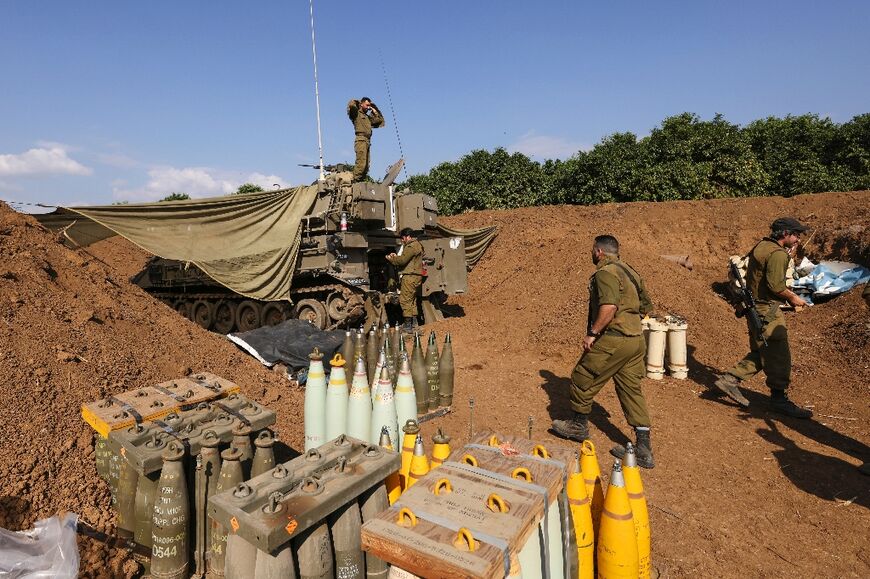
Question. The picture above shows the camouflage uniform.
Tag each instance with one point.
(362, 126)
(620, 350)
(411, 262)
(765, 278)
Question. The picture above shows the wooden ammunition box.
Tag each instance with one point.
(430, 530)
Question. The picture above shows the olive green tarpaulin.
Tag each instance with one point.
(248, 243)
(476, 241)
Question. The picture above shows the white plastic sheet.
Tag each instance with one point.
(49, 550)
(830, 278)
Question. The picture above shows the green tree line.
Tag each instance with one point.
(683, 158)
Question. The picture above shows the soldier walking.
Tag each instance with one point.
(410, 259)
(613, 348)
(365, 116)
(765, 278)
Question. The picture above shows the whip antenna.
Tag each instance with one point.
(317, 91)
(393, 110)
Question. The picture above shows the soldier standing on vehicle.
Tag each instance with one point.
(410, 259)
(365, 116)
(613, 348)
(765, 279)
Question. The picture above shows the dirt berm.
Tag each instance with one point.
(735, 494)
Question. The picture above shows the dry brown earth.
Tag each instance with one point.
(735, 493)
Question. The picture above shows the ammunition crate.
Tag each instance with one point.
(143, 444)
(423, 530)
(152, 402)
(272, 508)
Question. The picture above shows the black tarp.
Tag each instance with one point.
(289, 342)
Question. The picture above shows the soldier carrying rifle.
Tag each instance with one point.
(768, 336)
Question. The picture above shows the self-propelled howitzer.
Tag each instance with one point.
(341, 276)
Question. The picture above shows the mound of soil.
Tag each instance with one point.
(73, 330)
(735, 493)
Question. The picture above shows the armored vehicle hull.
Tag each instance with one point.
(341, 276)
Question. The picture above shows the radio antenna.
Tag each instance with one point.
(316, 92)
(393, 110)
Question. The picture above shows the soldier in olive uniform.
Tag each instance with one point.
(410, 259)
(613, 348)
(365, 116)
(765, 278)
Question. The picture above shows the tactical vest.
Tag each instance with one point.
(756, 270)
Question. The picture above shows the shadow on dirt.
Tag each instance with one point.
(11, 509)
(826, 477)
(699, 372)
(86, 530)
(558, 389)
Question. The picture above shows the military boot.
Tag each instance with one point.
(728, 384)
(409, 326)
(575, 428)
(780, 404)
(642, 450)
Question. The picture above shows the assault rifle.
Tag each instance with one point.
(747, 303)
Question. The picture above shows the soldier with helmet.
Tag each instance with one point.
(765, 278)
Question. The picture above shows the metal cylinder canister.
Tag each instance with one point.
(655, 353)
(170, 523)
(446, 372)
(677, 355)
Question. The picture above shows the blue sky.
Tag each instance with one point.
(113, 100)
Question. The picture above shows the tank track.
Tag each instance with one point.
(340, 305)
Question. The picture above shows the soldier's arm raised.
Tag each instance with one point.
(376, 118)
(352, 109)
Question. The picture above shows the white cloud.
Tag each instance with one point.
(546, 147)
(195, 181)
(40, 161)
(264, 181)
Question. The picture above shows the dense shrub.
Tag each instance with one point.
(683, 158)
